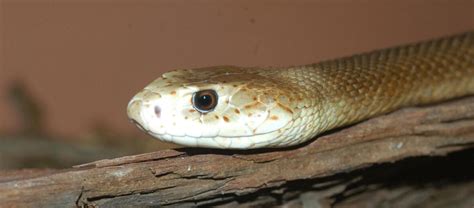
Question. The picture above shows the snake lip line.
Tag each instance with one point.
(209, 137)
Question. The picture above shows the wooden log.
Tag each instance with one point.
(191, 177)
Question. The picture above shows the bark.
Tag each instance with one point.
(354, 165)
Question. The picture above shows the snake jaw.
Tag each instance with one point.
(245, 116)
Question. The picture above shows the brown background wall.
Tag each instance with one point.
(83, 60)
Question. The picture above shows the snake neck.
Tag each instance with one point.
(344, 91)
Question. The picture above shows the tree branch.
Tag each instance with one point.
(321, 170)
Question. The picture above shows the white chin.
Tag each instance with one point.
(253, 142)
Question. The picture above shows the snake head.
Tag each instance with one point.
(218, 107)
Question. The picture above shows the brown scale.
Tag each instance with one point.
(362, 86)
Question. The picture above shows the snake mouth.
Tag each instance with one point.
(170, 117)
(138, 125)
(150, 120)
(220, 142)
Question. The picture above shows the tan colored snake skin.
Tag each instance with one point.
(244, 108)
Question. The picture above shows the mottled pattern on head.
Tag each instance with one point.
(250, 105)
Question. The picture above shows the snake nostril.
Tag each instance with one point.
(157, 111)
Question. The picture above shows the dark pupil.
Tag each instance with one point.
(205, 100)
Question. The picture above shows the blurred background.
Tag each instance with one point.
(68, 68)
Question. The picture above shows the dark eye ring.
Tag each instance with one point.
(205, 100)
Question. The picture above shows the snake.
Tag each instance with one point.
(231, 107)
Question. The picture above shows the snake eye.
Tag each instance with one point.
(205, 100)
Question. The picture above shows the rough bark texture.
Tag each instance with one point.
(349, 166)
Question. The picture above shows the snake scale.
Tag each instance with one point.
(258, 107)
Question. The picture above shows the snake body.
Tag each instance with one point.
(278, 107)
